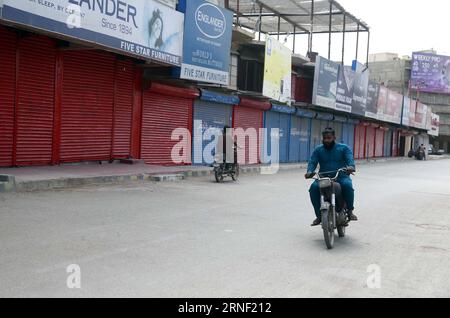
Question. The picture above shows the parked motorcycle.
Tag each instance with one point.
(223, 170)
(334, 217)
(420, 155)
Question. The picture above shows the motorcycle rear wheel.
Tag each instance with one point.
(328, 227)
(235, 175)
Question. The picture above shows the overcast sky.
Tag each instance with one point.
(397, 26)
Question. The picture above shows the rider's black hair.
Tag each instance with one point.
(328, 131)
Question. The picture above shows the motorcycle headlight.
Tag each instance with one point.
(325, 183)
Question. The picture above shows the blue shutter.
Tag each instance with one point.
(213, 115)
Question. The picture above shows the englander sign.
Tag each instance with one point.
(147, 29)
(207, 42)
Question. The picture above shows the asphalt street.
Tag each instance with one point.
(253, 238)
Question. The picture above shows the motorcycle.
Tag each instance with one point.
(334, 216)
(223, 170)
(420, 155)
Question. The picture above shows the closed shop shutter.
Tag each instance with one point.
(87, 106)
(249, 118)
(8, 43)
(294, 142)
(379, 143)
(360, 141)
(35, 95)
(348, 135)
(161, 115)
(370, 141)
(275, 120)
(388, 143)
(123, 109)
(305, 131)
(212, 116)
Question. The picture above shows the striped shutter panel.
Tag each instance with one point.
(8, 45)
(379, 143)
(305, 127)
(123, 108)
(213, 115)
(87, 106)
(35, 94)
(161, 115)
(370, 142)
(295, 136)
(248, 118)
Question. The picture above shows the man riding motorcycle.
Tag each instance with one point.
(332, 156)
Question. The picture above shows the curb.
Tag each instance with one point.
(9, 184)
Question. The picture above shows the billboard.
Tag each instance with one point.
(392, 113)
(207, 42)
(373, 91)
(277, 71)
(406, 111)
(430, 73)
(325, 83)
(360, 93)
(434, 125)
(382, 102)
(345, 87)
(145, 29)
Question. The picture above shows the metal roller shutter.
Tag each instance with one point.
(87, 106)
(370, 141)
(305, 126)
(249, 118)
(294, 142)
(123, 109)
(8, 45)
(276, 120)
(212, 115)
(388, 143)
(348, 135)
(360, 141)
(35, 95)
(161, 115)
(379, 143)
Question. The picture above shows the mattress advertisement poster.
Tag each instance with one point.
(325, 83)
(277, 71)
(145, 29)
(207, 42)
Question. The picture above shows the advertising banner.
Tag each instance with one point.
(373, 91)
(325, 83)
(430, 73)
(360, 93)
(145, 29)
(345, 87)
(421, 116)
(434, 125)
(394, 106)
(406, 111)
(169, 3)
(207, 42)
(277, 71)
(382, 102)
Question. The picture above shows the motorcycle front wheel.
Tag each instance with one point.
(328, 227)
(218, 175)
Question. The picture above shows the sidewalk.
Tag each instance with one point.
(69, 176)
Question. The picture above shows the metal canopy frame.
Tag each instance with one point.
(298, 17)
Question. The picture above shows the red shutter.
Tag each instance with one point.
(370, 142)
(123, 109)
(246, 118)
(8, 45)
(360, 141)
(379, 143)
(87, 106)
(35, 100)
(161, 115)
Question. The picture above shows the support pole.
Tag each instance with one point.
(357, 44)
(329, 29)
(343, 38)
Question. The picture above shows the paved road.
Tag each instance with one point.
(251, 239)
